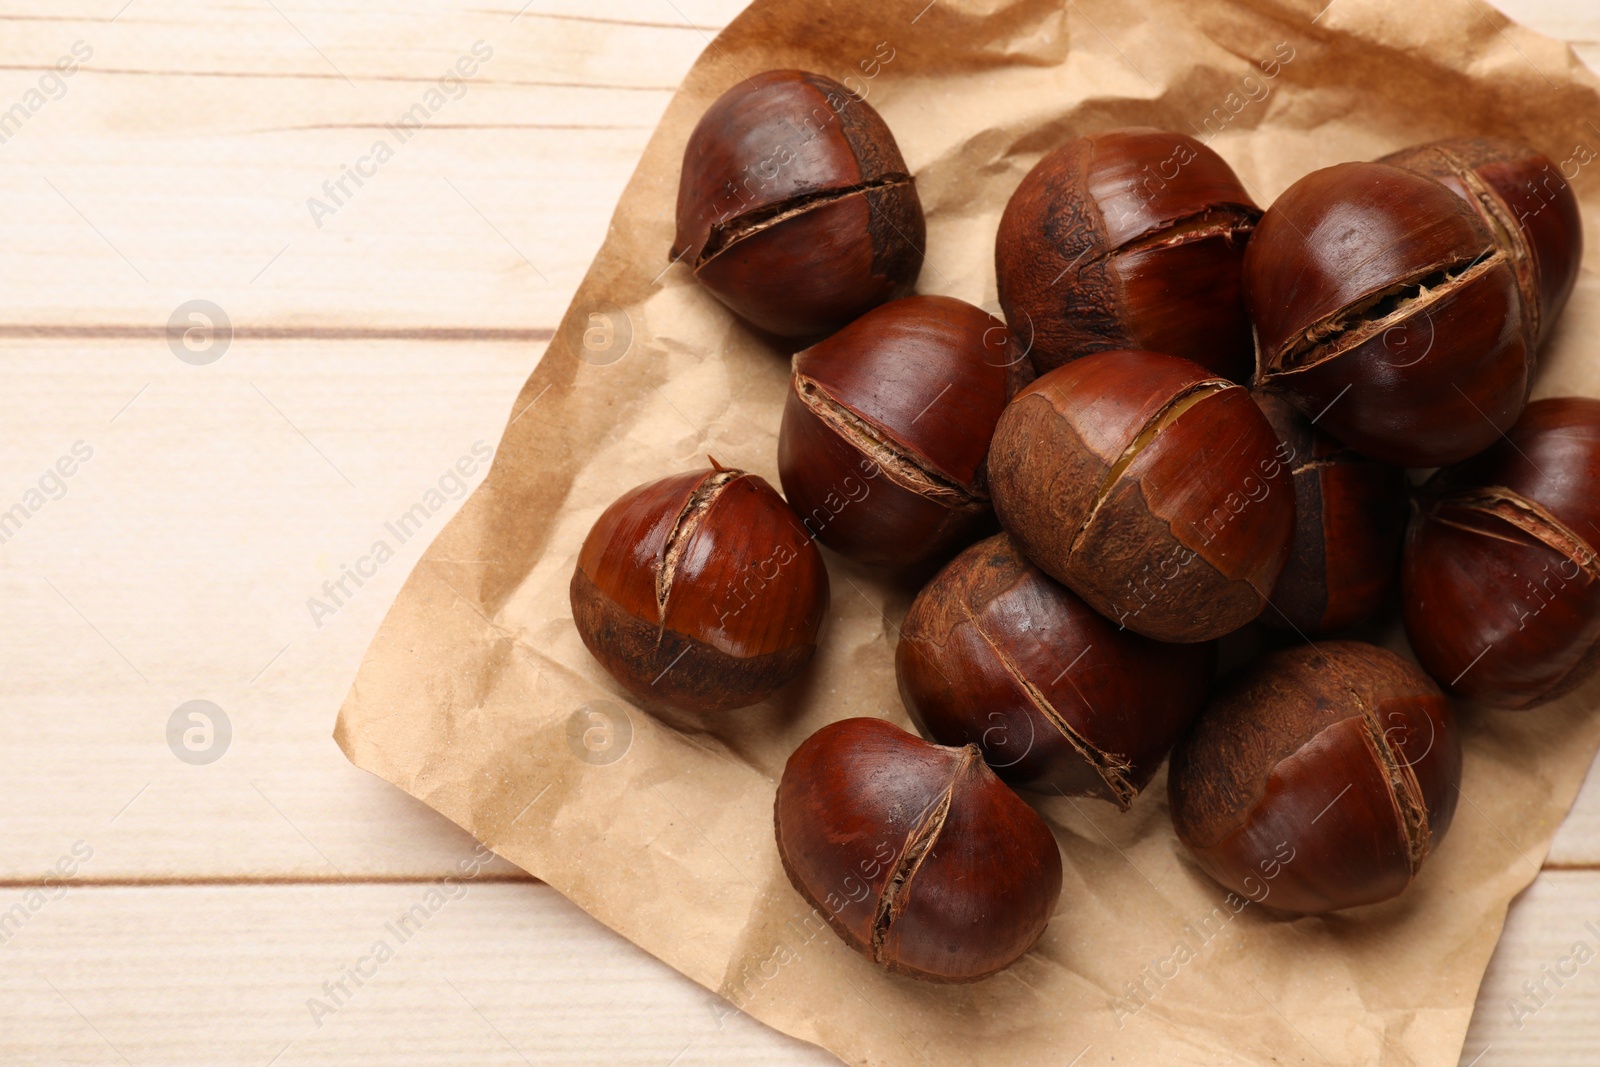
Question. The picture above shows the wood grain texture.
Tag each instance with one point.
(483, 974)
(183, 157)
(372, 353)
(1553, 1023)
(179, 564)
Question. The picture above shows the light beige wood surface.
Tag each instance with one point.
(371, 354)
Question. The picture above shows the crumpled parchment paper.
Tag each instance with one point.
(478, 697)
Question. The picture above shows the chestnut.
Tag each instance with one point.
(1130, 238)
(1320, 778)
(996, 653)
(700, 591)
(916, 854)
(1526, 203)
(1153, 489)
(795, 207)
(1385, 310)
(1500, 579)
(886, 427)
(1350, 517)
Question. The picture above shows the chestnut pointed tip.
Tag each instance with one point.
(668, 592)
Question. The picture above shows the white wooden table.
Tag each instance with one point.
(223, 912)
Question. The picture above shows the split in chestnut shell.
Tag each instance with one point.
(1525, 201)
(700, 591)
(1388, 314)
(795, 206)
(996, 653)
(1501, 579)
(887, 425)
(1318, 778)
(1128, 238)
(916, 854)
(1150, 487)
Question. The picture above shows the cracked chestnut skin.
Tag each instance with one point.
(1150, 487)
(795, 207)
(1501, 583)
(1523, 198)
(1385, 310)
(1350, 518)
(700, 591)
(1129, 238)
(1320, 778)
(887, 425)
(996, 653)
(916, 854)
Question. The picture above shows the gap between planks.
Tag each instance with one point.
(226, 880)
(504, 878)
(246, 332)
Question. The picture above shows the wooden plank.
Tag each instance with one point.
(555, 984)
(487, 974)
(315, 444)
(178, 563)
(225, 127)
(1568, 20)
(540, 971)
(1540, 1000)
(1577, 843)
(210, 152)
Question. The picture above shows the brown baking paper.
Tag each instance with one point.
(478, 697)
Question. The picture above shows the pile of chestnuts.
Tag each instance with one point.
(1196, 418)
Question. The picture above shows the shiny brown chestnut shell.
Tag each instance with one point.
(916, 854)
(996, 653)
(1500, 578)
(1386, 312)
(1526, 203)
(795, 207)
(1153, 489)
(1130, 238)
(886, 426)
(1320, 778)
(1350, 517)
(700, 591)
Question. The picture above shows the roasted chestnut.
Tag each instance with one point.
(1154, 489)
(1385, 310)
(1130, 238)
(887, 424)
(1527, 205)
(1501, 582)
(1320, 778)
(916, 854)
(700, 591)
(795, 207)
(996, 653)
(1350, 517)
